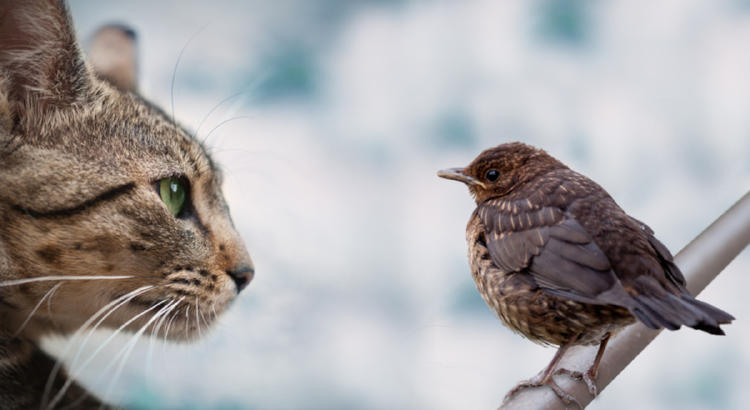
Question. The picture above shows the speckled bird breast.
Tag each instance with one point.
(527, 309)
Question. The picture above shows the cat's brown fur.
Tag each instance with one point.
(80, 160)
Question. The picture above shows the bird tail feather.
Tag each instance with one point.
(672, 311)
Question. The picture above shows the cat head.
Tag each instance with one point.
(106, 205)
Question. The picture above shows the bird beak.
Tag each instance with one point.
(457, 174)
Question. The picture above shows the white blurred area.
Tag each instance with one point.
(363, 297)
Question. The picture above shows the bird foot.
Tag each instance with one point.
(586, 377)
(538, 381)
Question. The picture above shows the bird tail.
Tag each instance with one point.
(672, 311)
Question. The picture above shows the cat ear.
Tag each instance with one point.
(41, 66)
(112, 54)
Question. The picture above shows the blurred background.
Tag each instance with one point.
(330, 119)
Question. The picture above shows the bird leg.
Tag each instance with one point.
(544, 378)
(589, 377)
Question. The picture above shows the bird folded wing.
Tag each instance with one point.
(555, 250)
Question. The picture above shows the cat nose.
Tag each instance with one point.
(242, 275)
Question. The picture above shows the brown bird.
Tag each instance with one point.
(561, 263)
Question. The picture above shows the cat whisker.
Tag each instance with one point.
(132, 344)
(15, 282)
(106, 308)
(206, 322)
(28, 318)
(174, 316)
(211, 111)
(197, 322)
(239, 117)
(49, 306)
(251, 87)
(170, 318)
(187, 322)
(259, 154)
(217, 317)
(155, 333)
(177, 64)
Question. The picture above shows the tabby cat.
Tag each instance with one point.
(111, 215)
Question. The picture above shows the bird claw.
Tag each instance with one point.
(537, 381)
(586, 377)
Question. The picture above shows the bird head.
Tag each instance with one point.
(498, 171)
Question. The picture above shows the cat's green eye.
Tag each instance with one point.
(172, 192)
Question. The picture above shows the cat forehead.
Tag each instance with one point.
(176, 142)
(123, 129)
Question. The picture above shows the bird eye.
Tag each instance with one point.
(492, 175)
(172, 192)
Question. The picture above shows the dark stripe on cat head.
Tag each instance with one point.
(76, 209)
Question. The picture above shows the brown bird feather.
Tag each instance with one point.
(561, 263)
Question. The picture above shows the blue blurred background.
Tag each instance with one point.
(341, 113)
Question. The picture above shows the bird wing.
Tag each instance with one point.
(553, 247)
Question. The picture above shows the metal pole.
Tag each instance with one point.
(700, 261)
